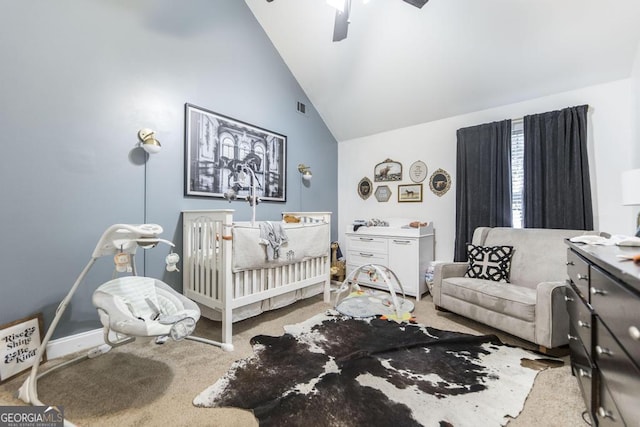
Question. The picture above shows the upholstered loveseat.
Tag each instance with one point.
(531, 304)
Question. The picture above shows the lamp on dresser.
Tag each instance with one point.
(631, 192)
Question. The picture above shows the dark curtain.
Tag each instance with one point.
(557, 190)
(483, 184)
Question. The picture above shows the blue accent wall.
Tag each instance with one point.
(78, 80)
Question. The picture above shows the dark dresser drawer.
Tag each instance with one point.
(581, 318)
(620, 310)
(607, 412)
(621, 375)
(578, 271)
(584, 374)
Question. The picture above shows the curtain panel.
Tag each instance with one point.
(557, 189)
(483, 181)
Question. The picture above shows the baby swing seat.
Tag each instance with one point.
(144, 307)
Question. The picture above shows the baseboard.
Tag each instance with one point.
(83, 341)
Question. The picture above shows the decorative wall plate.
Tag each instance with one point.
(388, 171)
(365, 187)
(418, 171)
(440, 182)
(383, 193)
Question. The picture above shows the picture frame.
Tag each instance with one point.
(410, 193)
(440, 182)
(418, 171)
(365, 187)
(19, 342)
(218, 147)
(383, 193)
(387, 170)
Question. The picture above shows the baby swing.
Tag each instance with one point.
(129, 306)
(370, 303)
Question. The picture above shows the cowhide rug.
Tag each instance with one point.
(337, 371)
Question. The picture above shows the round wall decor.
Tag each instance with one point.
(418, 171)
(440, 182)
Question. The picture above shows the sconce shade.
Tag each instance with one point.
(148, 140)
(631, 187)
(305, 171)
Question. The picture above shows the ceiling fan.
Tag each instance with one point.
(343, 7)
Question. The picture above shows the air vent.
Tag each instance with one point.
(302, 109)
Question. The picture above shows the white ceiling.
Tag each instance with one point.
(401, 65)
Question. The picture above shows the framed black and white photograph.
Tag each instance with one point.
(410, 193)
(222, 154)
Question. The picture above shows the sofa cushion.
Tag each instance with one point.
(489, 262)
(511, 300)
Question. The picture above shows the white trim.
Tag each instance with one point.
(73, 343)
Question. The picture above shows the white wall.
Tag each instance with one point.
(610, 142)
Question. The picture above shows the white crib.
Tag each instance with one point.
(227, 291)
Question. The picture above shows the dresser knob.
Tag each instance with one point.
(584, 373)
(584, 324)
(571, 337)
(596, 291)
(583, 276)
(570, 263)
(603, 350)
(604, 413)
(634, 333)
(567, 299)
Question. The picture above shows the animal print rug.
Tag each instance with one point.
(337, 371)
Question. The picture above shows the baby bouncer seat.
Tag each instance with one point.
(144, 307)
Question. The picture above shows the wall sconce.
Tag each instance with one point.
(148, 141)
(305, 171)
(631, 191)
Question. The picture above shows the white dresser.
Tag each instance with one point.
(404, 250)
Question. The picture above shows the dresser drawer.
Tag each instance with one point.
(584, 374)
(581, 318)
(621, 375)
(358, 258)
(606, 411)
(578, 347)
(578, 271)
(367, 244)
(619, 309)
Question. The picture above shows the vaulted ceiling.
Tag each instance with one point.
(401, 66)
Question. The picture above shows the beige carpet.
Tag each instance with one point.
(144, 384)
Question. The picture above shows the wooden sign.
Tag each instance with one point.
(19, 342)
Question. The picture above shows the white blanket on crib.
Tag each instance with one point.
(304, 241)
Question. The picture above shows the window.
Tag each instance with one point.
(517, 171)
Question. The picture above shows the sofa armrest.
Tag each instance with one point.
(552, 317)
(443, 271)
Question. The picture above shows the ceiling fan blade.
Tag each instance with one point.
(341, 25)
(417, 3)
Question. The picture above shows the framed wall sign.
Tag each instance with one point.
(440, 182)
(217, 148)
(19, 342)
(365, 188)
(383, 193)
(410, 193)
(418, 171)
(387, 171)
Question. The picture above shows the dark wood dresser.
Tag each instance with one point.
(603, 301)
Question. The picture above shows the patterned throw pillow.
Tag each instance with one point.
(489, 262)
